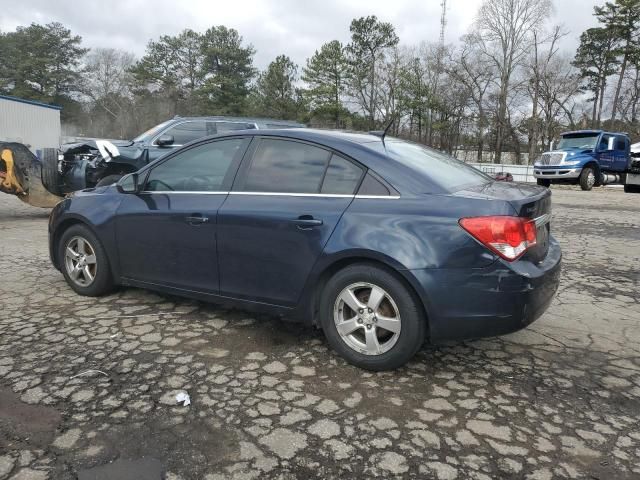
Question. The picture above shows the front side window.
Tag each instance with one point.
(186, 132)
(198, 169)
(286, 167)
(621, 144)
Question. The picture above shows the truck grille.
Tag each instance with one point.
(552, 158)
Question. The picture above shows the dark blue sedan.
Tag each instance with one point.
(381, 243)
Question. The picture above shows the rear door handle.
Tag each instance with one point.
(197, 219)
(307, 222)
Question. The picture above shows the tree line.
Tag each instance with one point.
(506, 86)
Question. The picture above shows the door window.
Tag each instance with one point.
(186, 132)
(286, 167)
(199, 169)
(224, 127)
(342, 177)
(620, 144)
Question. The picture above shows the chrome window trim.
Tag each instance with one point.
(200, 192)
(386, 197)
(288, 194)
(272, 194)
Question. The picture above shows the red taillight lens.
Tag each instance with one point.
(509, 237)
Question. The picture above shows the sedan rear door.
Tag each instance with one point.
(284, 206)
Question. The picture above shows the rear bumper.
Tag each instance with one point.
(556, 172)
(495, 300)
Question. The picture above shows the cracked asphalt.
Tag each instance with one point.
(87, 384)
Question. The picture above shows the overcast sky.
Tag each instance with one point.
(293, 27)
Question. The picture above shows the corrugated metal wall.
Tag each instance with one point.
(36, 126)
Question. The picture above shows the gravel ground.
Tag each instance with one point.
(560, 399)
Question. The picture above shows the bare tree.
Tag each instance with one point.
(504, 28)
(539, 66)
(477, 74)
(107, 83)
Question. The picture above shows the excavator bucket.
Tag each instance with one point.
(21, 175)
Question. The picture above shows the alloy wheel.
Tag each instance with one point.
(80, 261)
(367, 318)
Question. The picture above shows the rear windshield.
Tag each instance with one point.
(441, 169)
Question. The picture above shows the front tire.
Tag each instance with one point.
(632, 189)
(587, 178)
(50, 174)
(84, 262)
(543, 183)
(371, 318)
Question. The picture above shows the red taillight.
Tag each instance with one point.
(509, 237)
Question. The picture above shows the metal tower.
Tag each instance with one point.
(443, 21)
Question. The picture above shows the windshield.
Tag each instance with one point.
(578, 141)
(442, 169)
(151, 132)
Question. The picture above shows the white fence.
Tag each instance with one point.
(521, 173)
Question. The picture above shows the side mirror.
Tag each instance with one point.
(164, 140)
(128, 184)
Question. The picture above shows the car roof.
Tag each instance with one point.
(593, 132)
(264, 121)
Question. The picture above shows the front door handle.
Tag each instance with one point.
(307, 222)
(197, 219)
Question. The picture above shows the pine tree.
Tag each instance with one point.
(325, 76)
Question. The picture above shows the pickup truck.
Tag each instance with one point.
(590, 158)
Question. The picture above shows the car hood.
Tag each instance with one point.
(107, 149)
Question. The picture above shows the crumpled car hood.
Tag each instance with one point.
(107, 149)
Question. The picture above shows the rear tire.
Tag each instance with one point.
(363, 339)
(50, 174)
(109, 180)
(632, 189)
(543, 183)
(587, 178)
(84, 262)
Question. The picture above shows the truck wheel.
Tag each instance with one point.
(544, 183)
(632, 189)
(109, 180)
(50, 175)
(587, 178)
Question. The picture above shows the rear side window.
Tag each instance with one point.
(186, 132)
(223, 127)
(441, 169)
(287, 167)
(342, 177)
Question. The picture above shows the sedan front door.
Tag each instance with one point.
(166, 234)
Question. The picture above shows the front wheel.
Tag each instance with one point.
(371, 318)
(544, 183)
(84, 262)
(50, 174)
(587, 178)
(632, 189)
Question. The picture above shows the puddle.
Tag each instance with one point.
(20, 420)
